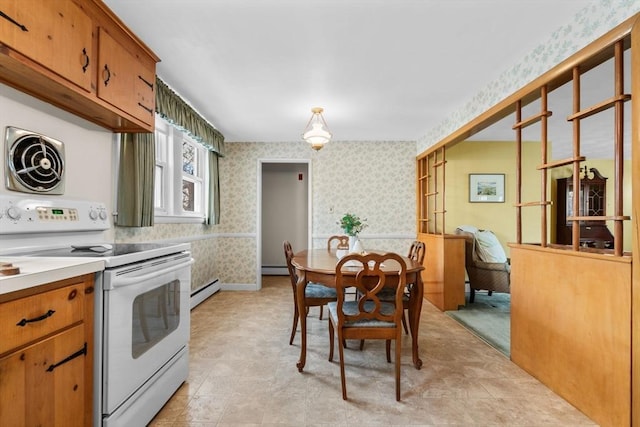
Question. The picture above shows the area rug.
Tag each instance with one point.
(489, 318)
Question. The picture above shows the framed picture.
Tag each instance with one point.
(486, 187)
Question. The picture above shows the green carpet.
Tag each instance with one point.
(489, 318)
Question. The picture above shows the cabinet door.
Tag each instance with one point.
(44, 384)
(123, 80)
(55, 34)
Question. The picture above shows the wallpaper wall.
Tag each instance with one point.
(589, 23)
(376, 180)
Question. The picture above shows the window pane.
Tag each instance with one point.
(158, 201)
(188, 158)
(188, 196)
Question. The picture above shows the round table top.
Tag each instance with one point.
(321, 260)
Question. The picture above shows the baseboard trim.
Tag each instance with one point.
(239, 287)
(201, 294)
(275, 271)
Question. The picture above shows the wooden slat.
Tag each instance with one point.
(531, 120)
(562, 162)
(599, 218)
(599, 107)
(525, 204)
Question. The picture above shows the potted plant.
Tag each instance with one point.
(352, 225)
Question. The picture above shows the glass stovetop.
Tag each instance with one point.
(100, 250)
(114, 254)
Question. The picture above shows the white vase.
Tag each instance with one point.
(355, 245)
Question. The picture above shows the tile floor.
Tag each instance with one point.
(243, 373)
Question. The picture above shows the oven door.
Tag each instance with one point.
(146, 322)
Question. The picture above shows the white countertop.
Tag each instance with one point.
(35, 271)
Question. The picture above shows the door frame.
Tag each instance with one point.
(259, 210)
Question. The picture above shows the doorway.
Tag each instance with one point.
(284, 212)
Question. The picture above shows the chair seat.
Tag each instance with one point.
(316, 290)
(351, 308)
(389, 295)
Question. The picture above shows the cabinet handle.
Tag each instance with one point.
(82, 351)
(106, 74)
(13, 21)
(146, 82)
(86, 60)
(149, 110)
(23, 322)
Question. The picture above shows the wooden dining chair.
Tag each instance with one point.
(368, 317)
(315, 294)
(341, 242)
(416, 253)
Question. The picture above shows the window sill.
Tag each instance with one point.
(177, 219)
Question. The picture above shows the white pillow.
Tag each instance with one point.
(468, 228)
(489, 248)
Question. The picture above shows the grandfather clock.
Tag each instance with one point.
(593, 201)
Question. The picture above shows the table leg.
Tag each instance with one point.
(415, 307)
(302, 312)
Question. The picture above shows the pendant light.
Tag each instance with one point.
(316, 132)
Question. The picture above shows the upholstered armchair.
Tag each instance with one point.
(486, 263)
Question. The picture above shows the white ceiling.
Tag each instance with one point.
(382, 69)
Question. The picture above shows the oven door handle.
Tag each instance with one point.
(126, 281)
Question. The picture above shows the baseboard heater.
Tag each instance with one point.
(204, 292)
(275, 270)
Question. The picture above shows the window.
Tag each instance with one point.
(180, 176)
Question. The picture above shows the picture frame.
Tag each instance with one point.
(486, 188)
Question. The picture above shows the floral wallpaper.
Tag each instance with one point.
(375, 179)
(589, 23)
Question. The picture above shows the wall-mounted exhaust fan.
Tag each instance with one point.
(35, 163)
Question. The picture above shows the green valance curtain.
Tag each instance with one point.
(137, 161)
(173, 109)
(136, 180)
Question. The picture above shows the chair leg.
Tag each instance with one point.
(404, 324)
(398, 351)
(331, 335)
(388, 347)
(295, 324)
(472, 295)
(361, 344)
(320, 313)
(490, 293)
(342, 378)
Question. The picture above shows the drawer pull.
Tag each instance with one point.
(106, 74)
(149, 110)
(13, 21)
(78, 353)
(86, 60)
(146, 82)
(23, 322)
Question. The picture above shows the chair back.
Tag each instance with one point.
(417, 251)
(369, 280)
(288, 255)
(342, 242)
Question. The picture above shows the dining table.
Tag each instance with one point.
(318, 265)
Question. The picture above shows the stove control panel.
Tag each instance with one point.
(29, 215)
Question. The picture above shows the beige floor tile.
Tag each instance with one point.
(243, 373)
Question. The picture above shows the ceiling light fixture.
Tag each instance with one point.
(316, 132)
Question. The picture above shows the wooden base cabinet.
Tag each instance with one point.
(46, 355)
(443, 276)
(571, 327)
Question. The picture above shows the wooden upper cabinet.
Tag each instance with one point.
(124, 80)
(56, 34)
(57, 50)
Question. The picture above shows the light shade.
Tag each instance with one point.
(316, 132)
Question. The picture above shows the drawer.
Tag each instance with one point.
(27, 319)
